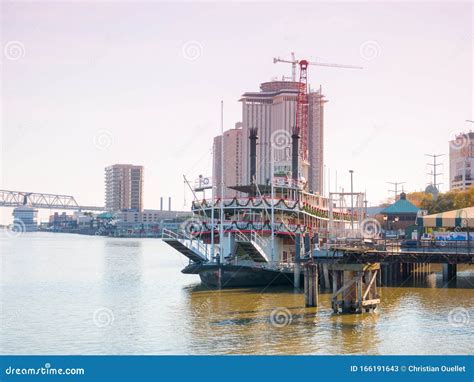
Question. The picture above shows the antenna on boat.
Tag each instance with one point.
(184, 193)
(194, 194)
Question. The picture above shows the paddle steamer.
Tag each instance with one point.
(261, 237)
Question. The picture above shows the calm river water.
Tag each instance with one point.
(71, 294)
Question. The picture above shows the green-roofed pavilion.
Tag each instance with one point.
(401, 206)
(400, 215)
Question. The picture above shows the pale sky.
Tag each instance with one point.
(94, 84)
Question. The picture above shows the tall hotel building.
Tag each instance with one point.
(273, 111)
(461, 161)
(233, 142)
(124, 187)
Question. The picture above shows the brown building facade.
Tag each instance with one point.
(124, 187)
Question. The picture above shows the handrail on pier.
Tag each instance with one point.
(402, 246)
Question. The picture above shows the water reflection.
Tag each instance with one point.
(123, 262)
(122, 293)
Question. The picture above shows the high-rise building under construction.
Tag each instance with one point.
(272, 111)
(232, 161)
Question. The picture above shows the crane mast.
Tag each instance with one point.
(302, 110)
(301, 126)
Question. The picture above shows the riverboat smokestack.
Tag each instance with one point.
(253, 136)
(295, 136)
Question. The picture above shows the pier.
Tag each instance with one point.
(356, 268)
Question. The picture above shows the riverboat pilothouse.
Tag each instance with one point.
(261, 237)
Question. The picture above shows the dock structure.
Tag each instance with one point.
(354, 287)
(356, 269)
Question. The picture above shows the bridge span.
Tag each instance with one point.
(14, 199)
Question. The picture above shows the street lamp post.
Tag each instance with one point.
(352, 201)
(466, 224)
(272, 188)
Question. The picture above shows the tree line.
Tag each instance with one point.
(451, 200)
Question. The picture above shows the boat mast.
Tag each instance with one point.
(221, 227)
(212, 216)
(272, 164)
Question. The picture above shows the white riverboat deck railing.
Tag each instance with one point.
(193, 244)
(243, 226)
(266, 203)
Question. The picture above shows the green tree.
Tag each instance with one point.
(451, 200)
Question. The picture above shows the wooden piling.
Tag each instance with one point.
(297, 267)
(327, 285)
(405, 271)
(357, 285)
(311, 283)
(449, 272)
(384, 274)
(349, 294)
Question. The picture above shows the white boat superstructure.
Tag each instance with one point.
(261, 235)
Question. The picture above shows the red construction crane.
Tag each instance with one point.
(301, 126)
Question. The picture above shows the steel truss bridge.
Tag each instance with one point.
(41, 200)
